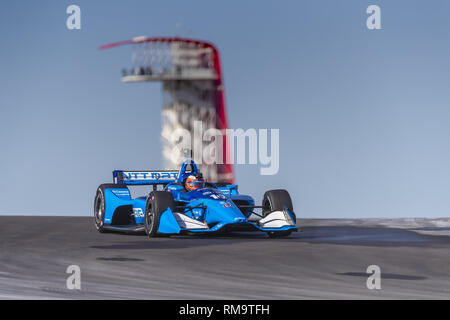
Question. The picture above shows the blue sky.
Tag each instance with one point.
(363, 115)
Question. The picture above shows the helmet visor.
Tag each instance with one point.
(197, 184)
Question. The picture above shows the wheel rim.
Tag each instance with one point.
(266, 207)
(99, 212)
(150, 221)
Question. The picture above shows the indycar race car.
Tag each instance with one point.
(186, 204)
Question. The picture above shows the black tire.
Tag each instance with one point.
(100, 204)
(157, 202)
(274, 200)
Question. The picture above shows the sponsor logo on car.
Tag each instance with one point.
(138, 212)
(128, 175)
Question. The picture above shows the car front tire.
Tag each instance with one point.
(277, 200)
(157, 203)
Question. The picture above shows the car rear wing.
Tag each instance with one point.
(132, 177)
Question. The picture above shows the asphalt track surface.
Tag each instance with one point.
(326, 260)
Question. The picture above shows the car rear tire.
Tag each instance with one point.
(100, 204)
(275, 200)
(157, 203)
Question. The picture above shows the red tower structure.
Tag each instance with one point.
(193, 90)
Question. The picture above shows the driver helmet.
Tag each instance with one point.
(194, 182)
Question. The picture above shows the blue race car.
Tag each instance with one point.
(186, 204)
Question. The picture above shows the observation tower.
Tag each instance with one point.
(193, 90)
